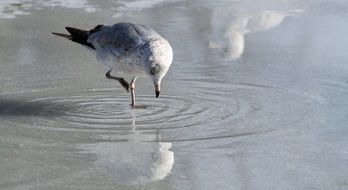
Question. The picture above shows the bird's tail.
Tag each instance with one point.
(62, 35)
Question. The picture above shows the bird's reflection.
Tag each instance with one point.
(136, 157)
(229, 30)
(12, 9)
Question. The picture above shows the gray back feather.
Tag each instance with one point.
(122, 36)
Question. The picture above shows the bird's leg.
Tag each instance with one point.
(123, 82)
(132, 89)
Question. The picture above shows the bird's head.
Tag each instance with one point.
(159, 61)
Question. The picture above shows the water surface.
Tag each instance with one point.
(256, 98)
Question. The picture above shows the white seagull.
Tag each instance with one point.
(130, 50)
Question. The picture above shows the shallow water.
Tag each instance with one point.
(256, 98)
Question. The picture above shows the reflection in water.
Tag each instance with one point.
(134, 158)
(233, 28)
(9, 9)
(12, 8)
(127, 6)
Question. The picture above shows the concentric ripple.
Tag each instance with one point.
(105, 111)
(210, 111)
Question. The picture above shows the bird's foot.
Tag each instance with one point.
(124, 84)
(122, 81)
(133, 106)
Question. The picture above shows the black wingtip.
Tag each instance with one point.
(79, 36)
(76, 32)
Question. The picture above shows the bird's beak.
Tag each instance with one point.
(157, 89)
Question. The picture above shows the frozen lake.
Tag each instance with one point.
(256, 98)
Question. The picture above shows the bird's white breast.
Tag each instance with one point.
(135, 62)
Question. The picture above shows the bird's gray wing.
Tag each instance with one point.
(146, 32)
(120, 38)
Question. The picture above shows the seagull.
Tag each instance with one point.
(129, 50)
